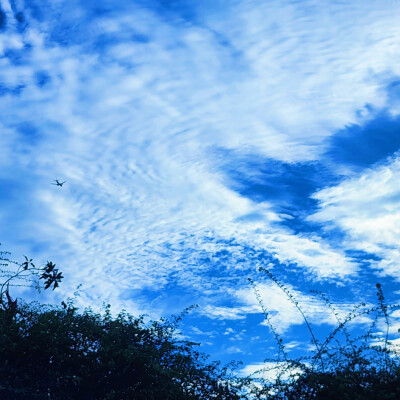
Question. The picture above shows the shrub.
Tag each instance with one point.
(356, 368)
(60, 353)
(50, 352)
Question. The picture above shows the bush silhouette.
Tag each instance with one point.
(59, 352)
(50, 352)
(356, 368)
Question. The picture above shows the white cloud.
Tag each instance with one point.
(310, 253)
(283, 314)
(294, 50)
(234, 350)
(270, 370)
(282, 311)
(231, 313)
(367, 209)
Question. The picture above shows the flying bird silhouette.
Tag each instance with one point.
(58, 183)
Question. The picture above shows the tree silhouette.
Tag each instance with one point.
(57, 352)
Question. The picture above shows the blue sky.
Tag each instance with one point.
(200, 141)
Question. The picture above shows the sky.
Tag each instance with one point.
(200, 141)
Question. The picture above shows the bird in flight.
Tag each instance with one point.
(58, 183)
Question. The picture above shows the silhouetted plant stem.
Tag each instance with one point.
(277, 337)
(352, 314)
(383, 308)
(25, 272)
(335, 314)
(297, 305)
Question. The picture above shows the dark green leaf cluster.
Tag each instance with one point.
(51, 275)
(60, 353)
(25, 274)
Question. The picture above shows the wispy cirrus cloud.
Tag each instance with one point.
(196, 141)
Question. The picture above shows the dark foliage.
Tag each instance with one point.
(59, 353)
